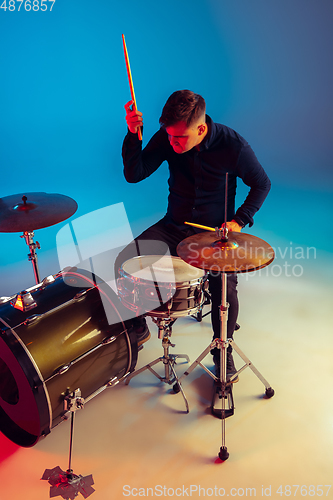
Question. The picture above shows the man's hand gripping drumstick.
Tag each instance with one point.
(133, 118)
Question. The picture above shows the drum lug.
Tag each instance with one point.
(135, 294)
(60, 371)
(63, 369)
(32, 319)
(46, 281)
(80, 295)
(114, 381)
(109, 340)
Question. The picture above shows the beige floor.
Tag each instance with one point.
(136, 440)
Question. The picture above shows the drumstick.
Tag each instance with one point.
(129, 74)
(200, 226)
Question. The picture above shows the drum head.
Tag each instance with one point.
(161, 269)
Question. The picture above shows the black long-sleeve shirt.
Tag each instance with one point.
(197, 177)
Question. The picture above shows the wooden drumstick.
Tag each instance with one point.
(129, 74)
(200, 226)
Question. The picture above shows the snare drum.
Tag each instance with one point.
(161, 286)
(65, 341)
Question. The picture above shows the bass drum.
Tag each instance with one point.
(64, 334)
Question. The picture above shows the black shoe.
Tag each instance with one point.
(142, 335)
(231, 369)
(141, 330)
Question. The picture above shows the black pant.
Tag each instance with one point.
(163, 237)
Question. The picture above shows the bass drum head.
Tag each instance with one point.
(74, 338)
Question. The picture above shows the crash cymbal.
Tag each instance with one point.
(30, 211)
(241, 252)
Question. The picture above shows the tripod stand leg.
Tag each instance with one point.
(168, 361)
(146, 367)
(179, 388)
(195, 363)
(269, 390)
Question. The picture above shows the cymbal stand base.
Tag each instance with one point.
(218, 395)
(168, 360)
(218, 384)
(269, 392)
(197, 362)
(32, 256)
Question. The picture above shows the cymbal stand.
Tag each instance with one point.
(32, 256)
(168, 360)
(66, 483)
(222, 345)
(224, 385)
(72, 403)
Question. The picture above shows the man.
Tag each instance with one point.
(199, 153)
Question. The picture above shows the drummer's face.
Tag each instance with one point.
(183, 138)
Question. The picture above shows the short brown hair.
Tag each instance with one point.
(182, 106)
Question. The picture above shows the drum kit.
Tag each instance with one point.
(57, 348)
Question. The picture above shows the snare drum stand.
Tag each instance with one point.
(169, 360)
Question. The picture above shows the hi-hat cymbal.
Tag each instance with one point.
(30, 211)
(241, 252)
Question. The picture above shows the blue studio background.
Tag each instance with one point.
(264, 68)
